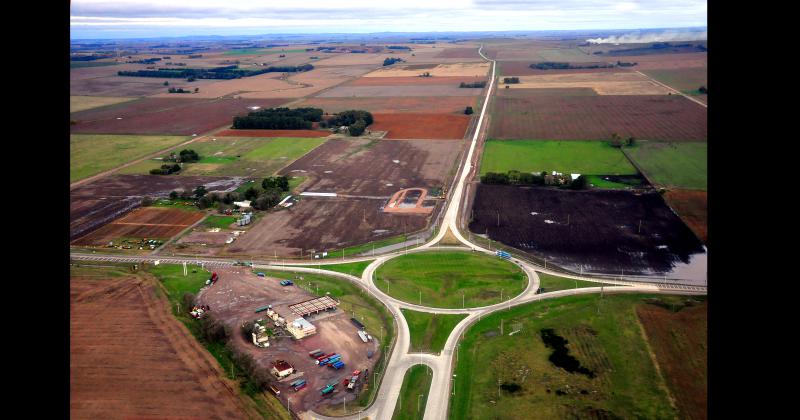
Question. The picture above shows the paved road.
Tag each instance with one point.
(401, 359)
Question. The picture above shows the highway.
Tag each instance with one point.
(401, 359)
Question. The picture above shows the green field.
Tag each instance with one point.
(355, 302)
(440, 279)
(90, 154)
(682, 165)
(222, 222)
(552, 283)
(413, 394)
(604, 335)
(598, 182)
(353, 269)
(428, 331)
(240, 156)
(582, 157)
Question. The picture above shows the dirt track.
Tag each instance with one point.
(130, 358)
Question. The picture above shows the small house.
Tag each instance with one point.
(281, 368)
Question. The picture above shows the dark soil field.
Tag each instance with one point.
(234, 298)
(433, 104)
(136, 360)
(364, 167)
(148, 223)
(421, 126)
(664, 117)
(325, 224)
(692, 207)
(182, 116)
(273, 133)
(96, 203)
(679, 341)
(596, 229)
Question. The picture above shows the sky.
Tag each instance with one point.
(113, 19)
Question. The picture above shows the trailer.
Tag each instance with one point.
(362, 335)
(259, 274)
(263, 308)
(312, 352)
(274, 390)
(286, 282)
(323, 358)
(301, 386)
(327, 390)
(358, 324)
(503, 254)
(338, 365)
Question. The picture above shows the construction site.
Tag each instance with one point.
(310, 346)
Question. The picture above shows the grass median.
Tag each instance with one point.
(429, 331)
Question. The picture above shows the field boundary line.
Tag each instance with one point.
(674, 90)
(638, 168)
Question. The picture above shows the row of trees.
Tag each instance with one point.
(391, 60)
(182, 90)
(272, 190)
(527, 178)
(617, 141)
(552, 65)
(510, 80)
(473, 85)
(279, 119)
(185, 155)
(226, 72)
(166, 169)
(356, 121)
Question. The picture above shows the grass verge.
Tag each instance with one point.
(413, 394)
(429, 331)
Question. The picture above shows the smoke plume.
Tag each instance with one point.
(640, 38)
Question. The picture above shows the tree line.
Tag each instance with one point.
(279, 119)
(226, 72)
(356, 121)
(473, 85)
(552, 65)
(514, 177)
(392, 60)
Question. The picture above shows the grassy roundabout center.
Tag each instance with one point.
(450, 279)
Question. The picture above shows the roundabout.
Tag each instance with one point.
(450, 279)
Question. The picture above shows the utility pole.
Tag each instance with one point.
(501, 326)
(462, 300)
(420, 298)
(640, 225)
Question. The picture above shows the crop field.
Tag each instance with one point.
(414, 81)
(376, 167)
(399, 91)
(582, 157)
(419, 104)
(602, 231)
(429, 331)
(273, 133)
(96, 203)
(239, 156)
(603, 335)
(165, 116)
(90, 154)
(460, 53)
(662, 117)
(336, 223)
(666, 61)
(687, 79)
(449, 69)
(148, 223)
(175, 377)
(692, 207)
(522, 68)
(545, 92)
(679, 341)
(681, 165)
(82, 103)
(413, 394)
(604, 83)
(439, 279)
(421, 126)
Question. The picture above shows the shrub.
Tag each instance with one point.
(468, 110)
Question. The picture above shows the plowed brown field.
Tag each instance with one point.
(421, 126)
(662, 117)
(130, 359)
(183, 116)
(692, 207)
(148, 222)
(679, 341)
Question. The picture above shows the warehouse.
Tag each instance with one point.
(314, 306)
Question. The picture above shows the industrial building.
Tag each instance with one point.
(300, 328)
(314, 306)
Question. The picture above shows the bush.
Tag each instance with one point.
(250, 193)
(213, 330)
(579, 183)
(173, 195)
(280, 182)
(200, 191)
(187, 300)
(495, 178)
(357, 128)
(468, 110)
(156, 171)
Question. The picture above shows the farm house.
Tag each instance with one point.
(281, 368)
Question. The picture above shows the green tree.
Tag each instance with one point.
(166, 83)
(250, 193)
(200, 191)
(173, 195)
(357, 128)
(468, 110)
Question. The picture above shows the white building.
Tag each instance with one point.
(300, 328)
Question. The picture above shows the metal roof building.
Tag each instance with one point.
(313, 306)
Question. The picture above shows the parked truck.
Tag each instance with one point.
(327, 390)
(338, 365)
(353, 379)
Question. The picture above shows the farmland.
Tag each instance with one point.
(429, 331)
(669, 118)
(679, 340)
(398, 91)
(149, 223)
(174, 377)
(82, 103)
(583, 157)
(604, 83)
(239, 156)
(682, 165)
(413, 394)
(436, 278)
(174, 116)
(604, 335)
(601, 231)
(92, 154)
(687, 80)
(421, 126)
(419, 104)
(441, 70)
(272, 133)
(692, 207)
